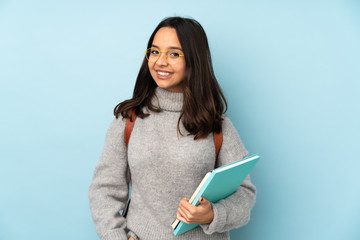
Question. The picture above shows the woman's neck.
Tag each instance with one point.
(167, 100)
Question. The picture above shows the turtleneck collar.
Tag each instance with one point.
(168, 101)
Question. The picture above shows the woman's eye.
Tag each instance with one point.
(154, 52)
(174, 54)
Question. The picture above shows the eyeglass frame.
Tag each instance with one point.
(160, 51)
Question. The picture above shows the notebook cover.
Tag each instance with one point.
(220, 185)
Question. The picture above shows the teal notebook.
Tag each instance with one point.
(218, 184)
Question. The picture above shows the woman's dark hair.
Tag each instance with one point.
(204, 102)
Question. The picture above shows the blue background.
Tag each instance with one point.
(290, 71)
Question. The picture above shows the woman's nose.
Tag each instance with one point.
(162, 59)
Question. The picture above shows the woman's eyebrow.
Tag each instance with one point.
(168, 48)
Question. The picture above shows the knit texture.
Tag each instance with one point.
(165, 167)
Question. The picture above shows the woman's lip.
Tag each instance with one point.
(163, 71)
(163, 77)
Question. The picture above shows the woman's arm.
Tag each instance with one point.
(109, 188)
(233, 211)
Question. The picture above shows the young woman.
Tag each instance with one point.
(179, 106)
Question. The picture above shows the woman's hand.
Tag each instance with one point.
(190, 214)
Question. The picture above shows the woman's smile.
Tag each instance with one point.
(163, 75)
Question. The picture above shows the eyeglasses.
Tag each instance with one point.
(172, 56)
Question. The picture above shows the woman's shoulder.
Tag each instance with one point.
(227, 124)
(231, 139)
(116, 126)
(229, 129)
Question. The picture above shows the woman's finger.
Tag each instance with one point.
(185, 207)
(180, 218)
(183, 214)
(189, 208)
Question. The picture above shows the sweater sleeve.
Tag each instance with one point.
(109, 189)
(233, 211)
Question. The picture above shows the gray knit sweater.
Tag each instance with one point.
(165, 167)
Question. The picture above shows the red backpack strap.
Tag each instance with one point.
(129, 126)
(218, 138)
(128, 129)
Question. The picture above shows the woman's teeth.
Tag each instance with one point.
(163, 73)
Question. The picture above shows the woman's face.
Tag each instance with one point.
(167, 76)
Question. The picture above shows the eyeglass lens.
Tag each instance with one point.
(172, 56)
